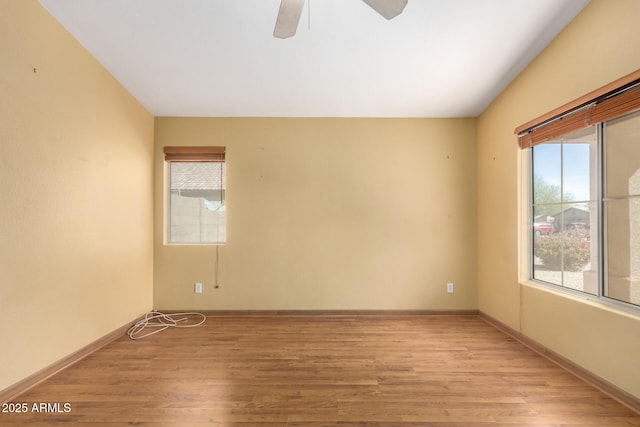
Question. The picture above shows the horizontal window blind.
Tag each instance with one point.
(610, 101)
(194, 154)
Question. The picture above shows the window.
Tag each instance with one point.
(584, 194)
(621, 208)
(196, 195)
(564, 211)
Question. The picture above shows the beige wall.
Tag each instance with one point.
(599, 46)
(329, 214)
(76, 196)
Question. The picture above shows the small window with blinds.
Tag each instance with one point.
(196, 195)
(584, 194)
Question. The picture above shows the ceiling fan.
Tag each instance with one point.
(290, 10)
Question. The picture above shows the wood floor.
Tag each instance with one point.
(321, 371)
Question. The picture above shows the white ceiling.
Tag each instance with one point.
(439, 58)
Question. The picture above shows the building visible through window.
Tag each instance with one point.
(196, 202)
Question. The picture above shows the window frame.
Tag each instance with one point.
(191, 154)
(578, 114)
(562, 202)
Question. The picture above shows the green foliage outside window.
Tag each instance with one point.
(569, 250)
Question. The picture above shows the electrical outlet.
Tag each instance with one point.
(450, 288)
(197, 288)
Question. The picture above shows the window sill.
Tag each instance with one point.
(603, 303)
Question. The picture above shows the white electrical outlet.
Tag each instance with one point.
(197, 288)
(450, 288)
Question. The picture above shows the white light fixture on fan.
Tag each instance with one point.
(290, 11)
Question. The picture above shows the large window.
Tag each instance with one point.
(584, 195)
(196, 195)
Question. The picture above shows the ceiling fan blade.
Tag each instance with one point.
(288, 17)
(387, 8)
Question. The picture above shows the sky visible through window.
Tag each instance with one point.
(575, 168)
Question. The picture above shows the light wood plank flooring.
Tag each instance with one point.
(313, 371)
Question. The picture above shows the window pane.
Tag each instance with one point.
(197, 202)
(622, 156)
(547, 262)
(547, 176)
(623, 249)
(579, 166)
(579, 229)
(565, 220)
(567, 255)
(622, 208)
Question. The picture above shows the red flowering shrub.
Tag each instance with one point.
(571, 247)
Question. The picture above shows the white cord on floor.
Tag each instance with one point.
(161, 321)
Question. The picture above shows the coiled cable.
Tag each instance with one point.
(158, 322)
